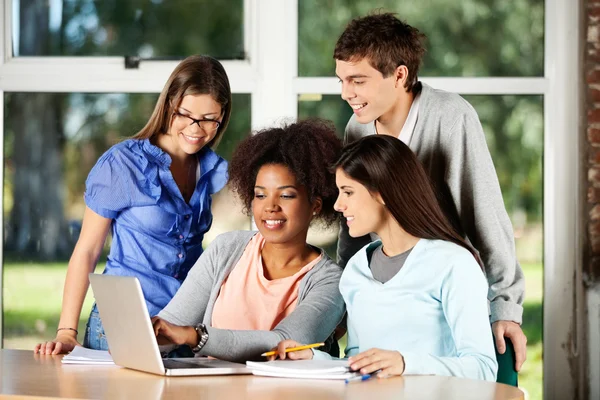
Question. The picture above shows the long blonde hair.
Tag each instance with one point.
(195, 75)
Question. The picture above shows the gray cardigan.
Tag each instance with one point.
(319, 309)
(449, 141)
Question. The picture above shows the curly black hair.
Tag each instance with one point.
(307, 148)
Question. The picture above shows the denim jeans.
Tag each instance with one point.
(94, 332)
(96, 339)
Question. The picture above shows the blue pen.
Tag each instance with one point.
(359, 378)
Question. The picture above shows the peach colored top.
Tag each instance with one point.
(248, 300)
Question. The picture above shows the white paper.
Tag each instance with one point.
(81, 355)
(303, 369)
(311, 375)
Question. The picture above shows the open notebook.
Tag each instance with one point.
(303, 369)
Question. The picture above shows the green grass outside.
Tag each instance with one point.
(33, 296)
(32, 302)
(531, 375)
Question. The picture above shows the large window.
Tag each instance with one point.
(66, 95)
(464, 38)
(144, 28)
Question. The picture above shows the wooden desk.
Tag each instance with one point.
(27, 375)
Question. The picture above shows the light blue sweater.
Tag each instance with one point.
(434, 312)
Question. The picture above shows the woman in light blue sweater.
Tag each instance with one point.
(416, 298)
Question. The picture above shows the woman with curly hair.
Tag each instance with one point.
(249, 290)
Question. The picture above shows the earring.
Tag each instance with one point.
(314, 213)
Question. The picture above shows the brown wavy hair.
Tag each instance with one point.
(195, 75)
(386, 42)
(385, 165)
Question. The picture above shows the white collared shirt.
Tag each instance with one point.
(411, 121)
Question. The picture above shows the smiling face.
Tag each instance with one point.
(194, 123)
(281, 208)
(370, 95)
(365, 213)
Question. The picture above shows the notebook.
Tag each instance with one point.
(303, 369)
(130, 335)
(81, 355)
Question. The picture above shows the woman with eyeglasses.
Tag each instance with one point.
(153, 192)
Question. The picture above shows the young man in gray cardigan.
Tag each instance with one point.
(377, 59)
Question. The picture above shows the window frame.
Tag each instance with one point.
(270, 75)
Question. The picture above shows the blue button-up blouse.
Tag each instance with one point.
(156, 235)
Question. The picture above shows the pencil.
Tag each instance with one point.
(289, 349)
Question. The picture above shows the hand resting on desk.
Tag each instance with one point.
(385, 362)
(64, 342)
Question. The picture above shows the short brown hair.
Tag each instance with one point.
(386, 42)
(307, 148)
(195, 75)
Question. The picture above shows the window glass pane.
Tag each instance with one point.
(513, 127)
(145, 28)
(464, 38)
(51, 141)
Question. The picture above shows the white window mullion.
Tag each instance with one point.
(563, 306)
(5, 31)
(103, 75)
(275, 30)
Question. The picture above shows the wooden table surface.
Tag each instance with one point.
(28, 376)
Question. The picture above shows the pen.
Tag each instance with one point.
(289, 349)
(359, 378)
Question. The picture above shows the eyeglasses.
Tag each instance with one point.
(207, 125)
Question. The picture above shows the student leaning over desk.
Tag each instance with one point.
(250, 290)
(377, 59)
(153, 192)
(417, 298)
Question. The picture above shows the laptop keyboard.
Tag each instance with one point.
(170, 363)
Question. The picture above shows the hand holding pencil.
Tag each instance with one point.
(292, 350)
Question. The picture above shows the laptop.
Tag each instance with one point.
(130, 335)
